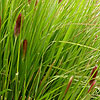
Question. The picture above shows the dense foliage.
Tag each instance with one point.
(49, 49)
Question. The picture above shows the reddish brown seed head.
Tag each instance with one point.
(0, 22)
(18, 22)
(29, 1)
(91, 86)
(24, 47)
(18, 25)
(68, 86)
(59, 1)
(36, 2)
(94, 76)
(69, 83)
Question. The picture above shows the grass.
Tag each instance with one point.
(62, 42)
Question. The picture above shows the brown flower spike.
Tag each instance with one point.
(94, 76)
(24, 47)
(69, 83)
(68, 86)
(59, 1)
(18, 25)
(29, 1)
(91, 86)
(36, 2)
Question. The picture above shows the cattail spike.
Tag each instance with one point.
(18, 25)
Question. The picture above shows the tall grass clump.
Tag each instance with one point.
(49, 49)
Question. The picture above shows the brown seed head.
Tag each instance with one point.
(68, 86)
(24, 47)
(18, 25)
(91, 86)
(29, 1)
(94, 76)
(59, 1)
(36, 2)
